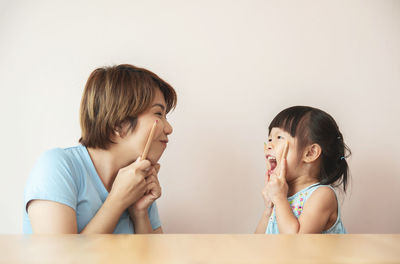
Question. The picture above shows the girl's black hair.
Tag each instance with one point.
(311, 125)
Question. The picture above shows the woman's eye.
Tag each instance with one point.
(159, 114)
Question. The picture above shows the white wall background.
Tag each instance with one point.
(235, 65)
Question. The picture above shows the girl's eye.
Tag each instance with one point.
(280, 137)
(270, 140)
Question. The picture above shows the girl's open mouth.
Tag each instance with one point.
(272, 162)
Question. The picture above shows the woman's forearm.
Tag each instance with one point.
(106, 218)
(141, 222)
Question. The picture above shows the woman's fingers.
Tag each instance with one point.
(151, 172)
(151, 179)
(139, 164)
(154, 189)
(157, 167)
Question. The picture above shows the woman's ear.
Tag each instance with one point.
(312, 153)
(120, 131)
(117, 131)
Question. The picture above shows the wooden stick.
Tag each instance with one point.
(149, 140)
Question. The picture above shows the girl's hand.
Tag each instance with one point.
(130, 184)
(153, 191)
(276, 187)
(267, 200)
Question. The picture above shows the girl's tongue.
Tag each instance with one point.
(272, 163)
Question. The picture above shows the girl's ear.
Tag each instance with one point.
(312, 153)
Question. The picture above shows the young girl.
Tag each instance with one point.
(306, 159)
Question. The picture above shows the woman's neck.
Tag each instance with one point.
(107, 165)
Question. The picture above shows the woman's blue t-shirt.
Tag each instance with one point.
(68, 176)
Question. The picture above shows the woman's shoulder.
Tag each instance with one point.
(53, 154)
(59, 156)
(57, 162)
(54, 177)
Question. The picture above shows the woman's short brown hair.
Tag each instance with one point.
(115, 96)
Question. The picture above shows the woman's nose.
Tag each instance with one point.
(167, 128)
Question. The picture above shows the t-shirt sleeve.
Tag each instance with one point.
(52, 179)
(153, 216)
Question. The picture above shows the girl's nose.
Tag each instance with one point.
(269, 144)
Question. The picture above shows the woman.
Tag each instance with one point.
(102, 185)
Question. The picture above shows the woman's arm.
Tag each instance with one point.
(142, 223)
(48, 217)
(139, 210)
(55, 218)
(128, 187)
(158, 231)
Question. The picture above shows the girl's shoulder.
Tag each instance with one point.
(320, 188)
(323, 197)
(317, 188)
(324, 191)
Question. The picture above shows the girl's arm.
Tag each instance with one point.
(318, 213)
(286, 220)
(262, 225)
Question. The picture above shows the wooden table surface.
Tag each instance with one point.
(187, 248)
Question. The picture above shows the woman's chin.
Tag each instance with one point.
(154, 158)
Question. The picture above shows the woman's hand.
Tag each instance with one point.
(153, 191)
(130, 185)
(276, 186)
